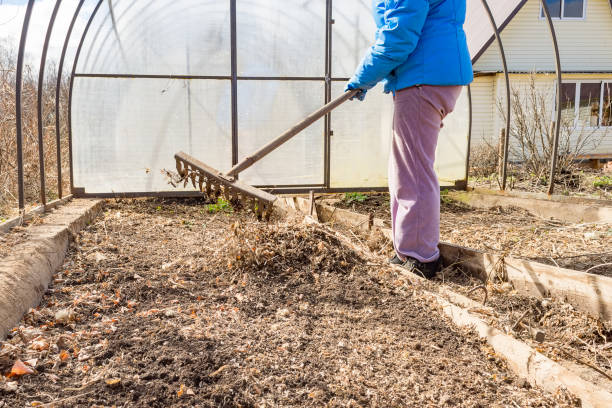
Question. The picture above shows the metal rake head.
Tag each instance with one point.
(215, 184)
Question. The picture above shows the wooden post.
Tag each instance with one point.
(500, 152)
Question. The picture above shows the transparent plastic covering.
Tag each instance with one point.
(452, 151)
(353, 33)
(361, 140)
(281, 38)
(265, 110)
(130, 112)
(126, 131)
(159, 37)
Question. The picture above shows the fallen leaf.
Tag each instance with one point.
(113, 381)
(40, 345)
(32, 363)
(19, 369)
(64, 355)
(181, 391)
(63, 316)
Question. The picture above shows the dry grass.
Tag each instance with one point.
(8, 143)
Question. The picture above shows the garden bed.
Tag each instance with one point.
(162, 303)
(510, 231)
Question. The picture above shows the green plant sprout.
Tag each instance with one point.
(602, 182)
(222, 206)
(355, 197)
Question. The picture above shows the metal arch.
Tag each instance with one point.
(18, 107)
(234, 81)
(555, 152)
(469, 146)
(74, 65)
(41, 78)
(506, 75)
(58, 87)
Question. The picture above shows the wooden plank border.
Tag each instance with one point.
(569, 209)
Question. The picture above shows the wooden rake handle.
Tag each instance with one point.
(274, 144)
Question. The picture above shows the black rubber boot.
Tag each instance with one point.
(426, 270)
(396, 260)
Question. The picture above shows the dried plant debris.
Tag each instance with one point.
(161, 303)
(513, 232)
(551, 326)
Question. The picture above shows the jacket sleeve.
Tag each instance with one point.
(396, 39)
(378, 11)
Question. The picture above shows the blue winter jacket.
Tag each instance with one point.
(418, 42)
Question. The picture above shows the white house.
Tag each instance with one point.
(584, 33)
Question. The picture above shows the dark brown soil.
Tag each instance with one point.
(163, 304)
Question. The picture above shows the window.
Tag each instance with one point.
(606, 114)
(587, 104)
(565, 9)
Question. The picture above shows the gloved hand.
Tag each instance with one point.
(360, 95)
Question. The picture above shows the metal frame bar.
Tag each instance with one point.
(470, 124)
(41, 78)
(18, 107)
(148, 76)
(234, 78)
(508, 105)
(58, 87)
(74, 65)
(555, 152)
(327, 131)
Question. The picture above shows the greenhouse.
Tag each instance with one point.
(199, 205)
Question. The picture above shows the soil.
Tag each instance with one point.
(514, 232)
(161, 303)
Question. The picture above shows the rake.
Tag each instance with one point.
(215, 183)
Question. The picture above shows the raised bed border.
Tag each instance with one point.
(26, 273)
(523, 360)
(569, 209)
(19, 220)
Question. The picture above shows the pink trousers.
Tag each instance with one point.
(413, 184)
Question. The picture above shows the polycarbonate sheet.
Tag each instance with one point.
(265, 110)
(126, 131)
(451, 154)
(353, 33)
(187, 37)
(281, 38)
(361, 140)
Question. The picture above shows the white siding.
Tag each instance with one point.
(585, 45)
(489, 91)
(483, 105)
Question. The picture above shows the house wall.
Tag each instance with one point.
(585, 45)
(488, 93)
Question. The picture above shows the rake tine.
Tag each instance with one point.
(179, 168)
(200, 180)
(217, 184)
(186, 176)
(208, 188)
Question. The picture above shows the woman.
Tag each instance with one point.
(422, 57)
